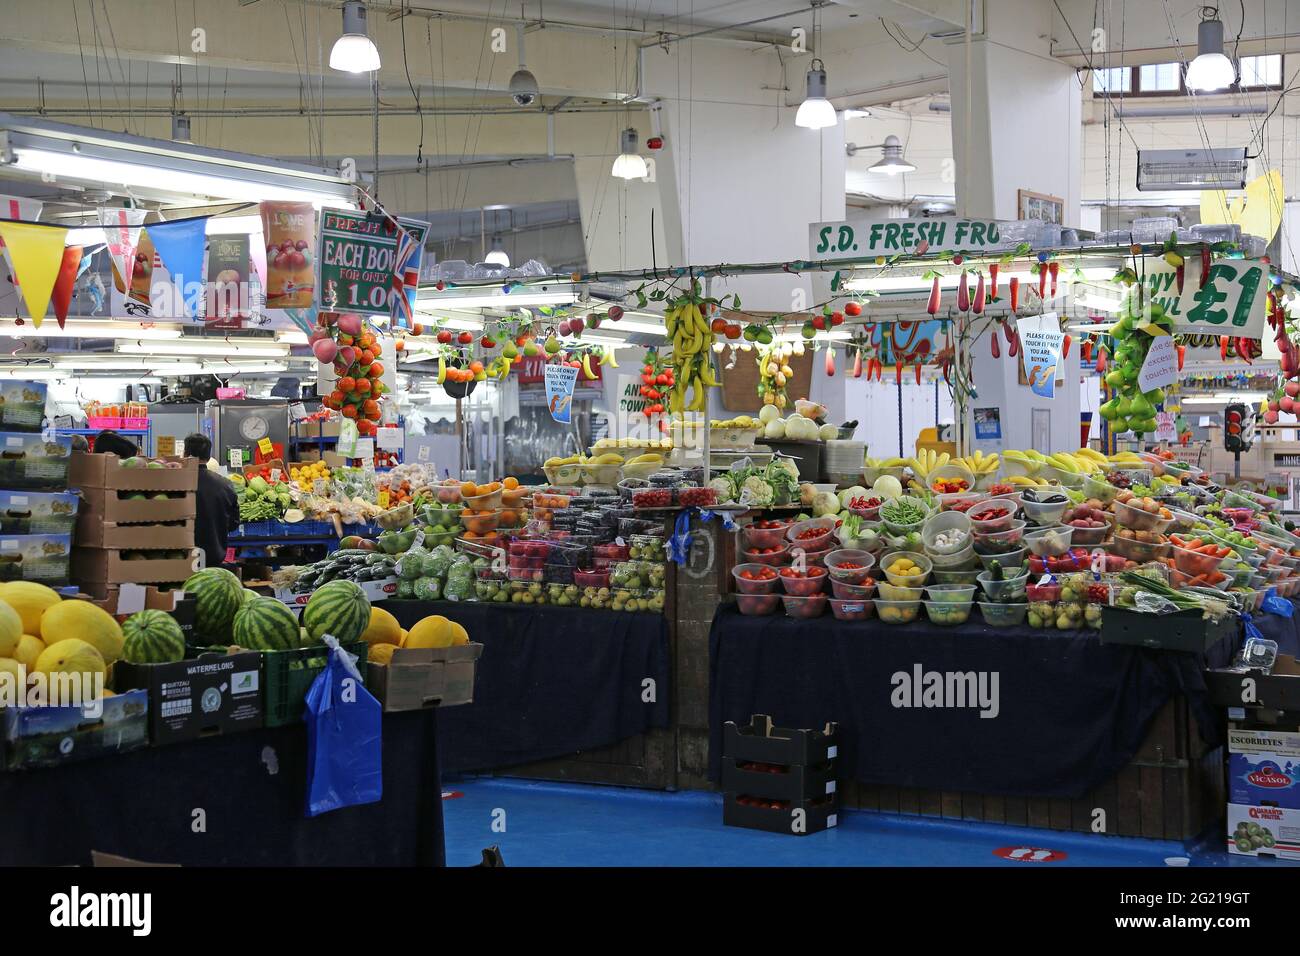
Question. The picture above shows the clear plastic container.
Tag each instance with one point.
(480, 523)
(960, 501)
(825, 528)
(900, 527)
(854, 609)
(1001, 542)
(775, 559)
(893, 592)
(853, 592)
(951, 593)
(864, 559)
(963, 560)
(1000, 514)
(1088, 537)
(953, 523)
(757, 604)
(947, 613)
(1139, 551)
(488, 502)
(814, 606)
(1140, 519)
(1006, 589)
(753, 585)
(999, 614)
(1049, 542)
(1099, 488)
(1042, 514)
(1009, 560)
(812, 581)
(898, 612)
(1194, 562)
(752, 537)
(914, 578)
(944, 576)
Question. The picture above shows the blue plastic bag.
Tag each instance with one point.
(345, 765)
(1277, 605)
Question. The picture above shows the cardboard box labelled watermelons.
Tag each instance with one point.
(176, 537)
(794, 782)
(416, 677)
(35, 557)
(762, 742)
(51, 736)
(1179, 631)
(31, 461)
(38, 512)
(109, 506)
(22, 406)
(106, 471)
(205, 696)
(800, 818)
(126, 599)
(97, 569)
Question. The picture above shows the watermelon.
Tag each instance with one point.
(264, 624)
(339, 608)
(247, 595)
(217, 597)
(152, 637)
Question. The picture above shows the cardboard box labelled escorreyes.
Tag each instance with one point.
(51, 736)
(1264, 768)
(103, 506)
(106, 471)
(96, 570)
(416, 678)
(126, 599)
(203, 697)
(154, 537)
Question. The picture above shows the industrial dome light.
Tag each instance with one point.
(354, 51)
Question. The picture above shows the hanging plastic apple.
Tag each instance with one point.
(325, 350)
(350, 324)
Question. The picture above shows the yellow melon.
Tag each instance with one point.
(107, 693)
(402, 642)
(459, 635)
(84, 620)
(29, 648)
(383, 628)
(433, 631)
(75, 658)
(10, 671)
(380, 653)
(30, 600)
(11, 630)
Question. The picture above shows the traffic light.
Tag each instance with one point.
(1238, 427)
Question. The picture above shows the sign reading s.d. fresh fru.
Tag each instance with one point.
(888, 237)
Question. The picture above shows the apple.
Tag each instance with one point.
(325, 350)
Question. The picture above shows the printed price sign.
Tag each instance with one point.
(236, 458)
(1166, 430)
(167, 446)
(356, 257)
(1232, 300)
(265, 447)
(347, 444)
(383, 497)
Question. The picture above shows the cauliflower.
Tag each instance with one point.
(724, 488)
(756, 492)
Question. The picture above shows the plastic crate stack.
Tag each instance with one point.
(778, 779)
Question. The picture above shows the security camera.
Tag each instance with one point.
(523, 88)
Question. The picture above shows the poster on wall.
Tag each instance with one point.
(988, 423)
(1041, 339)
(357, 254)
(289, 230)
(560, 380)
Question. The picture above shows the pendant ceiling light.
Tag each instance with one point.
(180, 128)
(354, 51)
(815, 112)
(523, 85)
(1211, 70)
(892, 162)
(497, 255)
(629, 165)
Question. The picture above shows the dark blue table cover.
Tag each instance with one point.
(1072, 711)
(552, 681)
(1284, 630)
(252, 787)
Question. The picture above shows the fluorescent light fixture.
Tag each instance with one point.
(1223, 398)
(96, 157)
(430, 304)
(354, 51)
(1211, 70)
(892, 162)
(84, 329)
(815, 112)
(951, 280)
(1160, 170)
(497, 255)
(218, 347)
(629, 165)
(291, 336)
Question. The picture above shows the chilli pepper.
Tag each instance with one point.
(1065, 347)
(993, 345)
(857, 364)
(1182, 354)
(1223, 348)
(978, 305)
(898, 372)
(963, 294)
(1015, 294)
(1205, 265)
(830, 362)
(1053, 268)
(918, 373)
(1085, 350)
(993, 281)
(1178, 275)
(1015, 344)
(935, 298)
(1042, 280)
(1101, 361)
(1246, 350)
(1008, 331)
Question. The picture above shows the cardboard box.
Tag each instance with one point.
(29, 460)
(124, 600)
(93, 534)
(208, 695)
(1278, 690)
(38, 512)
(95, 569)
(308, 455)
(762, 742)
(1263, 831)
(106, 471)
(416, 678)
(36, 557)
(102, 505)
(329, 428)
(334, 460)
(381, 590)
(1264, 768)
(22, 406)
(51, 736)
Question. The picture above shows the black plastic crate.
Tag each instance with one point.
(795, 782)
(1180, 631)
(798, 818)
(762, 742)
(1254, 689)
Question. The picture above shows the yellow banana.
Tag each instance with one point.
(442, 369)
(586, 366)
(608, 357)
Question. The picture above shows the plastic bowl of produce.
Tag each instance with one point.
(764, 534)
(1099, 488)
(1045, 513)
(1087, 537)
(963, 560)
(602, 474)
(812, 606)
(811, 535)
(1001, 542)
(960, 501)
(906, 569)
(1049, 542)
(950, 479)
(487, 502)
(948, 532)
(1191, 558)
(1141, 551)
(992, 516)
(951, 593)
(947, 612)
(850, 565)
(1003, 589)
(945, 576)
(811, 558)
(855, 609)
(803, 583)
(479, 522)
(998, 614)
(755, 578)
(757, 604)
(898, 612)
(892, 592)
(1145, 514)
(1008, 560)
(903, 515)
(774, 557)
(848, 592)
(441, 514)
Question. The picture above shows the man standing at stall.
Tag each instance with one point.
(216, 503)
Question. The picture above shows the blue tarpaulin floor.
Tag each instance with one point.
(546, 824)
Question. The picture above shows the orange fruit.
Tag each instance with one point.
(376, 369)
(400, 345)
(349, 411)
(468, 489)
(511, 483)
(347, 384)
(363, 385)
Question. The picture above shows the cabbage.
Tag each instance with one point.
(806, 493)
(887, 486)
(828, 432)
(800, 428)
(774, 428)
(768, 413)
(848, 494)
(825, 504)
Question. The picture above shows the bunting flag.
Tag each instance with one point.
(36, 254)
(19, 207)
(122, 233)
(68, 272)
(406, 278)
(180, 246)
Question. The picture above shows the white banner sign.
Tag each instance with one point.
(890, 237)
(1160, 369)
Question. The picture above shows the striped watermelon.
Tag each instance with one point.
(264, 624)
(217, 597)
(339, 608)
(152, 637)
(247, 596)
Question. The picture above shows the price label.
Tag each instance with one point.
(237, 458)
(275, 475)
(265, 446)
(166, 446)
(383, 497)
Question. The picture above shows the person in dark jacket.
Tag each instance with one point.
(216, 503)
(109, 441)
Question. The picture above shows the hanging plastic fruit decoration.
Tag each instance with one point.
(343, 341)
(1130, 409)
(657, 378)
(692, 357)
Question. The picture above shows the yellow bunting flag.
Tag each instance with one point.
(36, 254)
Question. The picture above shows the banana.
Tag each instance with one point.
(442, 369)
(586, 366)
(608, 357)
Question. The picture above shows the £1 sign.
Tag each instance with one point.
(1231, 301)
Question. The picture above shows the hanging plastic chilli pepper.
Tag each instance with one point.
(1015, 295)
(963, 294)
(1182, 354)
(1206, 258)
(1015, 344)
(918, 373)
(1101, 361)
(935, 298)
(1085, 350)
(1008, 331)
(1042, 280)
(1053, 269)
(1223, 348)
(993, 345)
(1179, 272)
(1065, 347)
(857, 364)
(993, 281)
(830, 361)
(977, 306)
(1246, 350)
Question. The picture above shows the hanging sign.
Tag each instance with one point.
(1041, 339)
(180, 245)
(347, 443)
(1232, 301)
(891, 237)
(560, 380)
(988, 423)
(121, 229)
(1160, 369)
(289, 229)
(36, 254)
(227, 301)
(357, 256)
